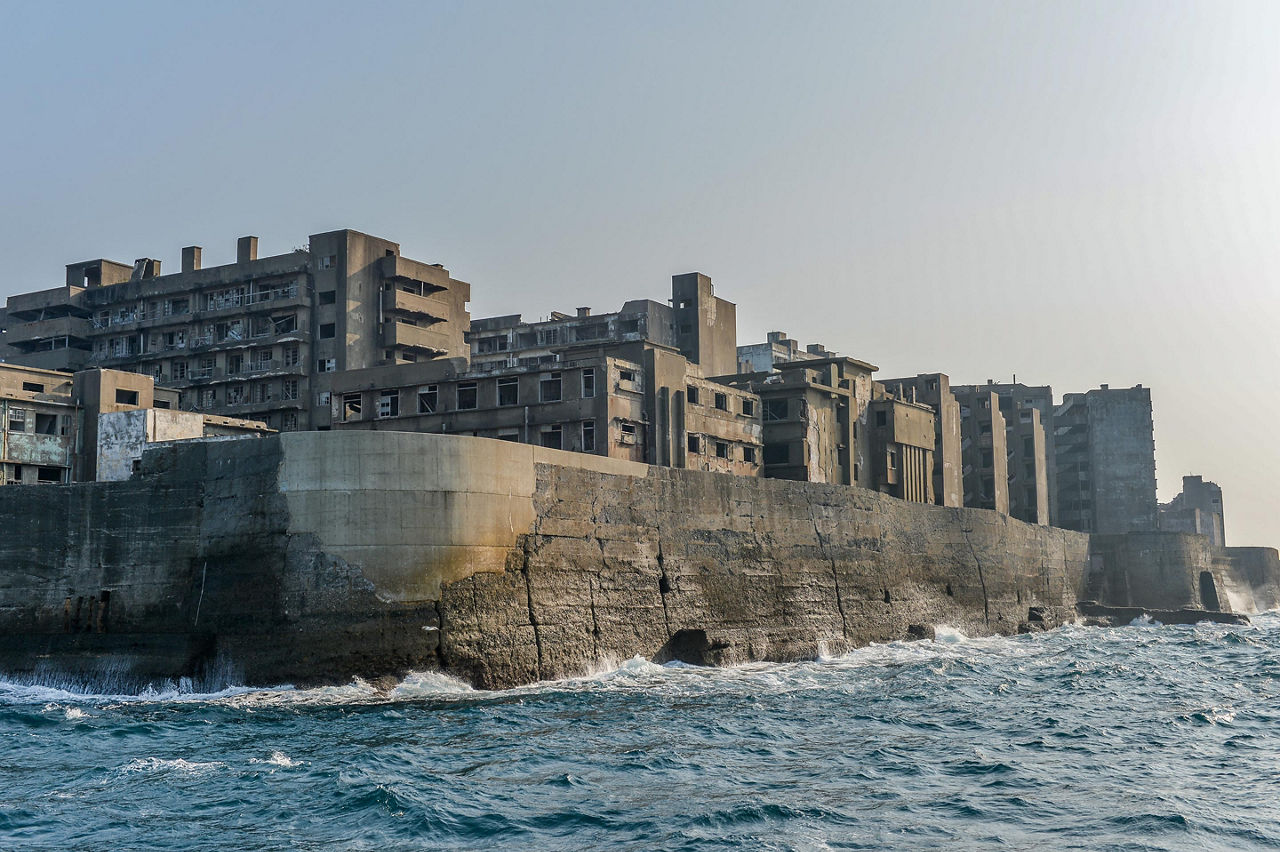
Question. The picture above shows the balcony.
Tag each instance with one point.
(426, 339)
(436, 305)
(23, 332)
(411, 270)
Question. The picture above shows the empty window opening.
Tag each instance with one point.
(46, 424)
(552, 437)
(549, 388)
(327, 330)
(722, 450)
(626, 376)
(428, 399)
(126, 397)
(468, 395)
(691, 394)
(749, 455)
(509, 391)
(389, 403)
(775, 409)
(749, 407)
(33, 386)
(588, 436)
(351, 406)
(588, 383)
(48, 474)
(722, 402)
(695, 444)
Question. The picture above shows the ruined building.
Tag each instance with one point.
(1106, 469)
(246, 339)
(1028, 416)
(902, 441)
(984, 450)
(1198, 509)
(934, 390)
(777, 349)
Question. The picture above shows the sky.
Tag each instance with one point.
(1074, 193)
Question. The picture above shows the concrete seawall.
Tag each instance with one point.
(315, 556)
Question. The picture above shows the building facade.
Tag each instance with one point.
(984, 450)
(934, 390)
(902, 441)
(1198, 509)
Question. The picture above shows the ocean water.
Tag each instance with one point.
(1141, 737)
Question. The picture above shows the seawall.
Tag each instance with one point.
(310, 557)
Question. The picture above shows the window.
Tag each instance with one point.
(284, 324)
(775, 409)
(328, 261)
(235, 364)
(468, 396)
(48, 474)
(179, 370)
(159, 403)
(627, 433)
(588, 436)
(427, 399)
(350, 406)
(327, 297)
(882, 418)
(722, 402)
(326, 365)
(588, 383)
(261, 392)
(777, 454)
(893, 460)
(261, 358)
(987, 458)
(508, 391)
(691, 394)
(17, 420)
(389, 403)
(695, 444)
(208, 397)
(289, 420)
(749, 407)
(289, 389)
(235, 394)
(549, 388)
(33, 386)
(327, 331)
(985, 428)
(323, 398)
(722, 450)
(749, 455)
(552, 437)
(46, 424)
(126, 397)
(626, 376)
(291, 355)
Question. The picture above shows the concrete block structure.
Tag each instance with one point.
(1106, 469)
(984, 450)
(1197, 509)
(1027, 496)
(902, 440)
(777, 349)
(934, 390)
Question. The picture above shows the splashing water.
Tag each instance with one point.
(1078, 738)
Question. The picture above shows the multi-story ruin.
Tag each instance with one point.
(1197, 509)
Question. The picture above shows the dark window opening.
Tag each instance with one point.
(777, 454)
(46, 424)
(722, 402)
(48, 474)
(508, 391)
(327, 330)
(33, 386)
(328, 297)
(749, 407)
(691, 393)
(722, 450)
(126, 397)
(468, 395)
(695, 445)
(552, 437)
(550, 388)
(749, 455)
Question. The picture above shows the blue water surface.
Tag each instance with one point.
(1134, 738)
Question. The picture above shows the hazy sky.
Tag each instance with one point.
(1074, 192)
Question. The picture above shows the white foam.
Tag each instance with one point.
(948, 634)
(277, 758)
(178, 766)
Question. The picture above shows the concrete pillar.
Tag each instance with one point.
(191, 258)
(246, 249)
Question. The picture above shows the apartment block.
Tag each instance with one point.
(1106, 470)
(1197, 509)
(934, 390)
(984, 450)
(246, 339)
(1018, 397)
(902, 441)
(777, 349)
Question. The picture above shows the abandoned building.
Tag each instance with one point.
(902, 441)
(1197, 509)
(60, 428)
(984, 451)
(777, 349)
(1106, 461)
(246, 339)
(1027, 442)
(934, 390)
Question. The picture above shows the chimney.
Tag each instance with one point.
(246, 249)
(1106, 387)
(191, 258)
(584, 312)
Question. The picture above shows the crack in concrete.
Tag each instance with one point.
(533, 616)
(835, 577)
(973, 551)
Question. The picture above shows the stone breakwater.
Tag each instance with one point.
(312, 557)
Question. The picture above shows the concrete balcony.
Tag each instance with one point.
(23, 332)
(28, 448)
(57, 297)
(426, 339)
(412, 270)
(435, 305)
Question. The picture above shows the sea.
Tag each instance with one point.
(1131, 738)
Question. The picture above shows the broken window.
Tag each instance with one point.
(774, 409)
(550, 387)
(350, 406)
(552, 436)
(289, 389)
(627, 433)
(882, 418)
(235, 364)
(260, 327)
(262, 392)
(626, 376)
(695, 444)
(468, 395)
(691, 394)
(235, 394)
(261, 359)
(588, 383)
(326, 365)
(749, 407)
(389, 403)
(328, 261)
(749, 455)
(777, 454)
(17, 420)
(722, 450)
(289, 421)
(284, 323)
(208, 397)
(49, 474)
(722, 402)
(509, 391)
(46, 424)
(291, 355)
(327, 330)
(126, 397)
(327, 297)
(428, 398)
(33, 386)
(588, 436)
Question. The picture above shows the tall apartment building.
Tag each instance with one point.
(1106, 465)
(902, 440)
(1028, 416)
(984, 449)
(246, 339)
(1197, 509)
(1018, 397)
(934, 390)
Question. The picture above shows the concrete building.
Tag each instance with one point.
(934, 390)
(1198, 509)
(902, 441)
(1106, 469)
(52, 422)
(246, 339)
(812, 414)
(699, 325)
(777, 349)
(1016, 397)
(984, 450)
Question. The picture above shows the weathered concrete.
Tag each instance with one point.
(315, 556)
